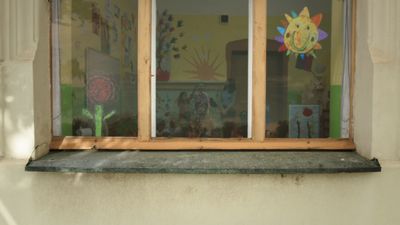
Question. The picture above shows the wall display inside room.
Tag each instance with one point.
(202, 69)
(95, 19)
(202, 65)
(169, 46)
(304, 121)
(98, 55)
(305, 66)
(105, 70)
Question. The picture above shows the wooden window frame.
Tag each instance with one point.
(258, 140)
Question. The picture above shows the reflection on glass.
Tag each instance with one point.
(305, 68)
(202, 68)
(94, 47)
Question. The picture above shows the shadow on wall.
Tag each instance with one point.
(65, 198)
(16, 110)
(24, 78)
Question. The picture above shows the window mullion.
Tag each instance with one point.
(144, 69)
(259, 68)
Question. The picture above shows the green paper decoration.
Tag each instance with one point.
(98, 118)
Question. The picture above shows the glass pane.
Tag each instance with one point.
(95, 68)
(305, 68)
(202, 68)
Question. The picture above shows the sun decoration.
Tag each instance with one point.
(300, 34)
(204, 65)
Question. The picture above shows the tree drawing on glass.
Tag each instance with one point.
(101, 90)
(168, 36)
(204, 65)
(300, 34)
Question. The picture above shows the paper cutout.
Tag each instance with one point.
(300, 34)
(101, 90)
(304, 121)
(98, 118)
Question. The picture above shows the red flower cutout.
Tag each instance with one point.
(100, 89)
(307, 112)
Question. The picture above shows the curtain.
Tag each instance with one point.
(56, 68)
(345, 114)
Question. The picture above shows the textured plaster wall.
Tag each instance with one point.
(377, 81)
(103, 199)
(340, 199)
(16, 113)
(24, 77)
(41, 83)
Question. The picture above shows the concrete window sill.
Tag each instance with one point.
(210, 162)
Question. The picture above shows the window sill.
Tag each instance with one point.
(190, 162)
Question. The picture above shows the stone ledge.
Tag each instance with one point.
(210, 162)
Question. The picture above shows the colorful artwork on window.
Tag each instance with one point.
(101, 90)
(96, 50)
(300, 34)
(304, 121)
(201, 69)
(199, 110)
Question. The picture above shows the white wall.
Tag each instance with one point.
(339, 199)
(24, 77)
(377, 86)
(41, 83)
(103, 199)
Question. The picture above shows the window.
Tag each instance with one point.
(189, 74)
(95, 68)
(307, 80)
(202, 71)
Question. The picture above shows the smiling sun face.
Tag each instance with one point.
(300, 34)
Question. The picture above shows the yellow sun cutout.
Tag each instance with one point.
(204, 65)
(301, 34)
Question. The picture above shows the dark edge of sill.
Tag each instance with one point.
(204, 162)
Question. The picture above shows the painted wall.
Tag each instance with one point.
(356, 199)
(204, 33)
